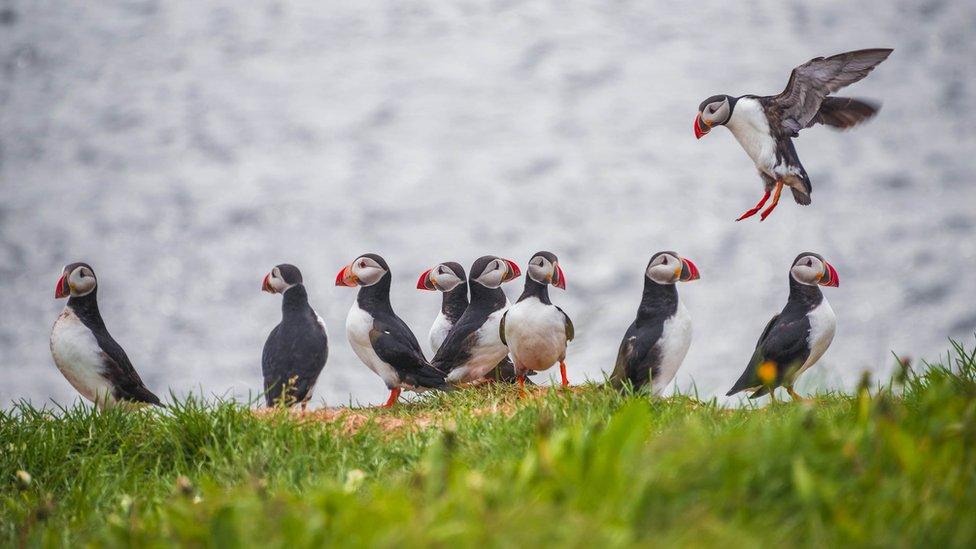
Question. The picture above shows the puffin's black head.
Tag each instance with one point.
(714, 111)
(669, 267)
(492, 271)
(812, 269)
(365, 270)
(281, 278)
(77, 279)
(443, 277)
(544, 268)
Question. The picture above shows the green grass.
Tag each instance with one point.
(893, 465)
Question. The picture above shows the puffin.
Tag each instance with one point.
(657, 341)
(297, 348)
(534, 330)
(449, 279)
(88, 356)
(379, 337)
(798, 336)
(473, 347)
(766, 125)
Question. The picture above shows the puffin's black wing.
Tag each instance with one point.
(456, 349)
(396, 345)
(293, 357)
(501, 328)
(784, 344)
(814, 80)
(119, 370)
(570, 330)
(637, 360)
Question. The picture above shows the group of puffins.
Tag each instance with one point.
(478, 336)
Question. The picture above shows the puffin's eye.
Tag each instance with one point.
(665, 261)
(809, 263)
(362, 264)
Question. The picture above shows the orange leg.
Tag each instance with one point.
(521, 384)
(562, 372)
(755, 210)
(394, 395)
(776, 193)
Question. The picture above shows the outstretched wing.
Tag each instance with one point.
(844, 112)
(814, 80)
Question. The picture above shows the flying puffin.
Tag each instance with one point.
(798, 336)
(297, 348)
(473, 347)
(765, 125)
(379, 337)
(449, 278)
(85, 352)
(535, 330)
(657, 341)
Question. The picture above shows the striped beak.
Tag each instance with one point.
(829, 276)
(425, 282)
(513, 270)
(689, 271)
(701, 128)
(559, 278)
(346, 278)
(266, 284)
(61, 290)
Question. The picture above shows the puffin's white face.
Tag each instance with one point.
(80, 280)
(443, 278)
(364, 271)
(496, 272)
(812, 270)
(544, 271)
(714, 111)
(668, 268)
(275, 283)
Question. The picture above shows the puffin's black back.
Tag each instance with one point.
(295, 351)
(126, 383)
(638, 359)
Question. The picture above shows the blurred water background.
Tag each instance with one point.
(185, 148)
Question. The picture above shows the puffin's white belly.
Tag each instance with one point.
(358, 325)
(672, 348)
(751, 129)
(438, 331)
(536, 334)
(77, 354)
(487, 352)
(823, 323)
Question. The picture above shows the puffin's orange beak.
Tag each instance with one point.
(700, 127)
(346, 278)
(513, 270)
(832, 278)
(266, 284)
(560, 281)
(424, 282)
(689, 271)
(61, 290)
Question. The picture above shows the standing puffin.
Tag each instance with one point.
(798, 336)
(765, 125)
(297, 348)
(378, 336)
(535, 330)
(473, 347)
(85, 352)
(656, 343)
(450, 280)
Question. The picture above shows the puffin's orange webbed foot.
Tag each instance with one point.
(755, 210)
(776, 193)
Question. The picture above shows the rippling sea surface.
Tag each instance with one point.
(183, 150)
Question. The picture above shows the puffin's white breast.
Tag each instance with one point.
(672, 347)
(439, 330)
(823, 323)
(536, 334)
(750, 127)
(358, 325)
(77, 354)
(487, 352)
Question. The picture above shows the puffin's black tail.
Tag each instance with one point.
(430, 377)
(844, 112)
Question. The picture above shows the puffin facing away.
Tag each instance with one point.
(377, 335)
(473, 347)
(766, 125)
(449, 279)
(297, 348)
(798, 336)
(85, 352)
(536, 331)
(656, 343)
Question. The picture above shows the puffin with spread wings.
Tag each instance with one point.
(766, 125)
